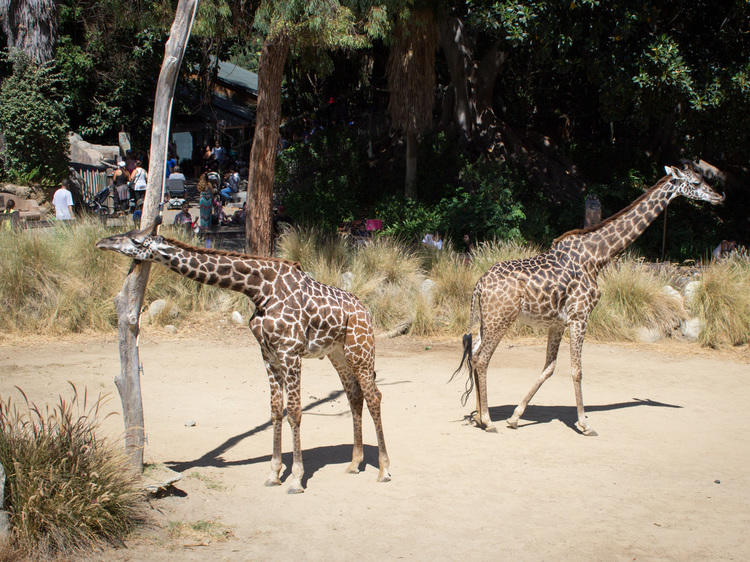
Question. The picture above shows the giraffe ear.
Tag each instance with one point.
(674, 172)
(141, 235)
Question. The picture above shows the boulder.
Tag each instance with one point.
(237, 318)
(647, 335)
(157, 307)
(689, 291)
(347, 279)
(427, 289)
(691, 328)
(170, 329)
(86, 153)
(671, 291)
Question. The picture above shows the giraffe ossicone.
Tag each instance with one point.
(558, 289)
(295, 317)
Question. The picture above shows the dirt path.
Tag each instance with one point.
(667, 477)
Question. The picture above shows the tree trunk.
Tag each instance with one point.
(410, 185)
(259, 223)
(30, 26)
(129, 300)
(457, 52)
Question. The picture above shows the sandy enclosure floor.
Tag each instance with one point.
(667, 477)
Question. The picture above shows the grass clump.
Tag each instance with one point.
(67, 491)
(633, 297)
(722, 302)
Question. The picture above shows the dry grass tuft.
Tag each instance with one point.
(67, 490)
(722, 302)
(633, 297)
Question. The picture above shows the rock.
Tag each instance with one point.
(158, 478)
(4, 519)
(691, 328)
(427, 289)
(170, 328)
(174, 312)
(347, 279)
(156, 307)
(671, 291)
(689, 291)
(237, 318)
(647, 335)
(190, 423)
(86, 153)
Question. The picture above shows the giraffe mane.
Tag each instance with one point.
(611, 218)
(229, 253)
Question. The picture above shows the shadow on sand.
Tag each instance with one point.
(566, 414)
(313, 459)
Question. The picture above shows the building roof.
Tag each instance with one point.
(237, 77)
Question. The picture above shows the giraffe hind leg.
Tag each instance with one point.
(356, 400)
(554, 336)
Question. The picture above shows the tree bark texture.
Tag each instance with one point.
(129, 300)
(410, 183)
(259, 226)
(30, 26)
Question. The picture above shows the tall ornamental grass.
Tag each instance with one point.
(722, 302)
(67, 490)
(55, 281)
(633, 297)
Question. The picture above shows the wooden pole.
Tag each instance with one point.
(129, 300)
(664, 235)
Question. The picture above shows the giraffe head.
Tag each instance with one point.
(141, 245)
(689, 183)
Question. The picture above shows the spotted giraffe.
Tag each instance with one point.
(295, 317)
(558, 289)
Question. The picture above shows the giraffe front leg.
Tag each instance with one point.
(294, 414)
(277, 415)
(577, 333)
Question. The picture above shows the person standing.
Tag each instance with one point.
(120, 178)
(139, 179)
(63, 202)
(10, 209)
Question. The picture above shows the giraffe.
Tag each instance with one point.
(295, 317)
(558, 289)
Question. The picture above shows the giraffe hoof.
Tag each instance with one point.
(511, 423)
(384, 477)
(587, 431)
(271, 482)
(295, 490)
(490, 428)
(353, 468)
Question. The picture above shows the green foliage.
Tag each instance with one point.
(67, 490)
(483, 205)
(34, 123)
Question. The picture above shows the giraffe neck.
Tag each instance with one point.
(256, 277)
(614, 235)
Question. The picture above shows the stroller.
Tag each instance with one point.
(98, 204)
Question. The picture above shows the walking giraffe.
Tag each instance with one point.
(558, 288)
(295, 317)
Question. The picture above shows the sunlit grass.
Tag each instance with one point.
(722, 302)
(633, 296)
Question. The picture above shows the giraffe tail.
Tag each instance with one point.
(466, 358)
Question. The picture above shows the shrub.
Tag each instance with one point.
(34, 123)
(722, 302)
(632, 297)
(67, 490)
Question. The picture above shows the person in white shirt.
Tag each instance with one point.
(139, 178)
(63, 202)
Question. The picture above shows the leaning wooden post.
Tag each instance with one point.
(129, 300)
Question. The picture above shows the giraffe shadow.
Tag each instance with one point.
(566, 414)
(214, 456)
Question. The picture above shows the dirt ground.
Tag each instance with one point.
(666, 478)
